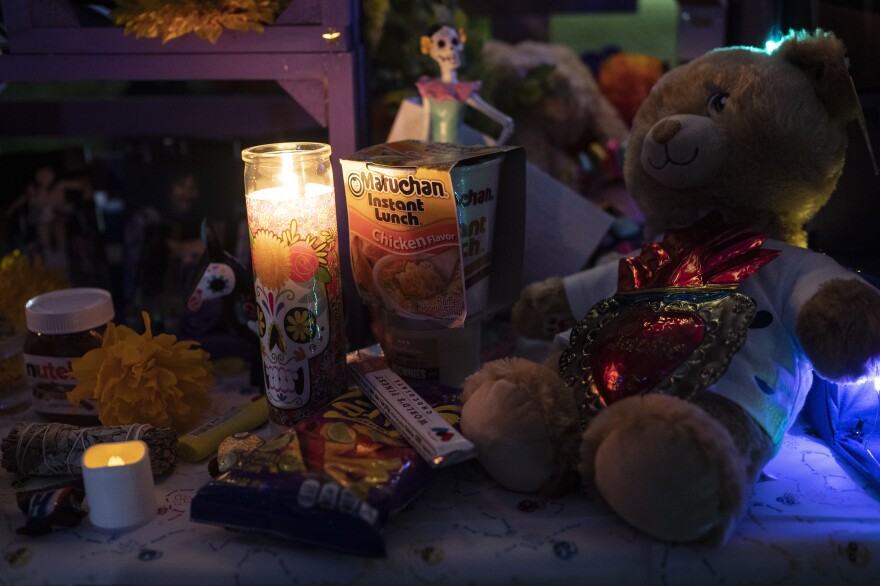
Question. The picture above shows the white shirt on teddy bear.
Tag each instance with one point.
(770, 375)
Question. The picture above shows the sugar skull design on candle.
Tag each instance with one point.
(293, 320)
(294, 246)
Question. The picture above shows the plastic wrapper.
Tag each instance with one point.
(330, 481)
(439, 443)
(60, 508)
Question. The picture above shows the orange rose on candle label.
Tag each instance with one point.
(304, 262)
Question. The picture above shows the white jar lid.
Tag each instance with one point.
(67, 311)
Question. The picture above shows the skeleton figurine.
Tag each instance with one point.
(444, 99)
(221, 301)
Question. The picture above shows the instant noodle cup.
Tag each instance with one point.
(423, 219)
(420, 349)
(405, 283)
(476, 195)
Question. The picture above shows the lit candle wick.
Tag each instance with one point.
(115, 461)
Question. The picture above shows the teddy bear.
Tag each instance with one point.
(692, 359)
(560, 112)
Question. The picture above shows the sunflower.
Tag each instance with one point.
(271, 259)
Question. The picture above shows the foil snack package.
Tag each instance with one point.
(330, 481)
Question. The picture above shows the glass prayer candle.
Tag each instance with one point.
(291, 212)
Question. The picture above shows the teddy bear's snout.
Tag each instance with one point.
(665, 130)
(683, 151)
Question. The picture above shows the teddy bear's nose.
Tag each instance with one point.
(665, 130)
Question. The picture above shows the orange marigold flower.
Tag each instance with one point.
(144, 379)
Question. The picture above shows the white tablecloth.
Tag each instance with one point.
(809, 522)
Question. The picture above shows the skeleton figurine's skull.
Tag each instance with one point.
(294, 326)
(218, 280)
(445, 46)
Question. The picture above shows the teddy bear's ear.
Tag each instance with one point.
(821, 56)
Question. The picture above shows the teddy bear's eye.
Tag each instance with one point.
(716, 103)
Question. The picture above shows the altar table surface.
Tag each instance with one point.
(809, 521)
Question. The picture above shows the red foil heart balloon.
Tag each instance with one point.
(638, 349)
(676, 320)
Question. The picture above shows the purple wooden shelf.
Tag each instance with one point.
(47, 42)
(155, 116)
(52, 26)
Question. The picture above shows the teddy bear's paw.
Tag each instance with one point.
(839, 329)
(522, 421)
(542, 310)
(666, 467)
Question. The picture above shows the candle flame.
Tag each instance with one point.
(115, 461)
(287, 177)
(331, 34)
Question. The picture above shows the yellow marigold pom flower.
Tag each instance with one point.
(20, 279)
(144, 379)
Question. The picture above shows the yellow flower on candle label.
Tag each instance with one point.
(300, 324)
(144, 379)
(271, 258)
(291, 255)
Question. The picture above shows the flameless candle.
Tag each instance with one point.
(119, 485)
(291, 210)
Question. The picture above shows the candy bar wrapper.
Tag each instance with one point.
(438, 442)
(330, 481)
(47, 510)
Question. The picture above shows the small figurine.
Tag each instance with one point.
(443, 99)
(220, 301)
(221, 275)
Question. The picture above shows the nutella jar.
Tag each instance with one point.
(62, 326)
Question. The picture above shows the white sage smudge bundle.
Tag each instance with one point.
(52, 449)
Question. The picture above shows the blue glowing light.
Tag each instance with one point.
(771, 45)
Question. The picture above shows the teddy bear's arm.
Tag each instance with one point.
(835, 315)
(553, 305)
(839, 330)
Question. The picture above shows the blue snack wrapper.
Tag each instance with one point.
(331, 481)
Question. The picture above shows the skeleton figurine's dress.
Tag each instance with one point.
(444, 99)
(445, 104)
